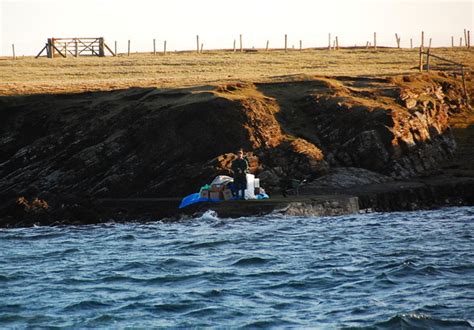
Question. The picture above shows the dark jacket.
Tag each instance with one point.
(240, 167)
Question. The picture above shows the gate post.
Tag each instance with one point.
(101, 47)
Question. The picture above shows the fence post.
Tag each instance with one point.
(241, 45)
(202, 46)
(375, 40)
(76, 49)
(452, 42)
(468, 39)
(128, 53)
(422, 39)
(367, 45)
(266, 48)
(411, 42)
(286, 43)
(337, 43)
(465, 37)
(398, 40)
(301, 45)
(154, 46)
(428, 60)
(50, 48)
(101, 47)
(421, 59)
(429, 45)
(234, 44)
(13, 50)
(116, 48)
(164, 47)
(197, 44)
(329, 45)
(460, 42)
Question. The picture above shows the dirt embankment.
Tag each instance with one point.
(336, 133)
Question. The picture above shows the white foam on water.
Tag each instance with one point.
(209, 215)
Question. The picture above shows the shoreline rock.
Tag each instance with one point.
(392, 196)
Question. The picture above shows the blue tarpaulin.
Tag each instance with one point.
(194, 198)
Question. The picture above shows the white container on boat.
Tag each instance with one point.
(249, 193)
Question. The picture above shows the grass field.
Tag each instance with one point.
(27, 75)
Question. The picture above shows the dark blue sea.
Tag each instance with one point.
(375, 271)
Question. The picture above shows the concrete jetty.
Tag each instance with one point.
(167, 208)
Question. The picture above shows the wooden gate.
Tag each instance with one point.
(75, 47)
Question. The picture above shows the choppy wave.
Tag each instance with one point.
(251, 261)
(420, 321)
(368, 271)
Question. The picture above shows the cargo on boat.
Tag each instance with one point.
(222, 188)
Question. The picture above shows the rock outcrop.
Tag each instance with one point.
(160, 143)
(377, 131)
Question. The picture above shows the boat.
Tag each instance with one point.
(222, 189)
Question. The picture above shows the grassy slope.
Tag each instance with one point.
(27, 75)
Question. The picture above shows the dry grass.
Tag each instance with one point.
(27, 75)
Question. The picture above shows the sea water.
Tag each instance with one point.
(378, 270)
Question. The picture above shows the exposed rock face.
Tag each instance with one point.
(150, 142)
(376, 133)
(125, 142)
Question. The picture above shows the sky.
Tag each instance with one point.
(28, 23)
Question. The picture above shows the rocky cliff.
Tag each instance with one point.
(156, 143)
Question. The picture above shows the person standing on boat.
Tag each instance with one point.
(240, 167)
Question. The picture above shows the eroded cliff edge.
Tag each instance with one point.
(339, 134)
